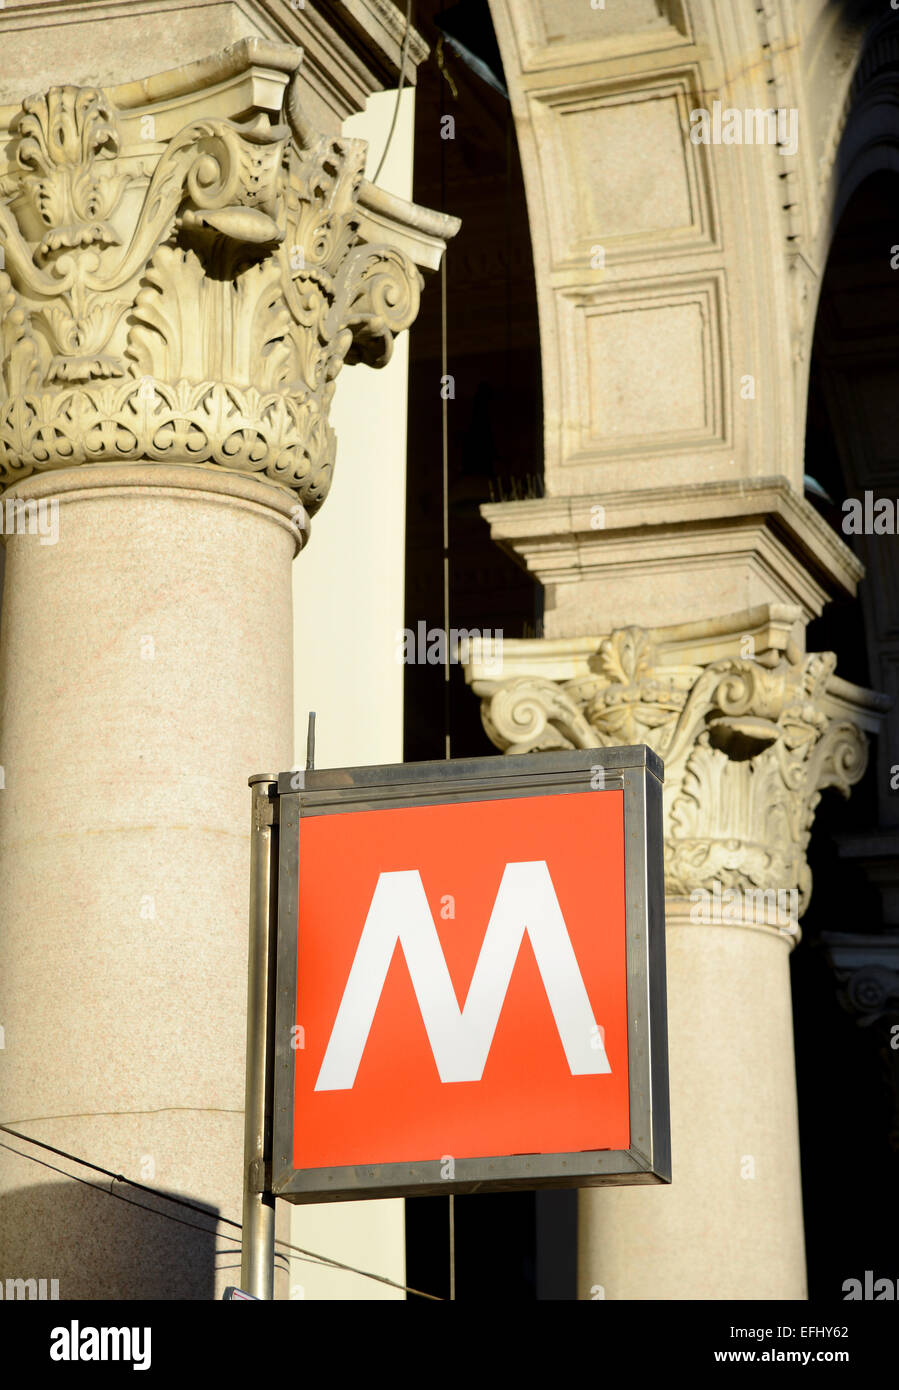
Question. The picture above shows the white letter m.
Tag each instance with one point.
(461, 1039)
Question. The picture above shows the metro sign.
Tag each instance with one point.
(470, 977)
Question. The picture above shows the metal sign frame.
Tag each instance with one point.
(636, 771)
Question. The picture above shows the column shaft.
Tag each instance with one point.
(730, 1224)
(146, 670)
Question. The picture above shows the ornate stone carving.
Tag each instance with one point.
(749, 743)
(62, 139)
(529, 714)
(867, 973)
(194, 304)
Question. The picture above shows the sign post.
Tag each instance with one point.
(470, 982)
(257, 1245)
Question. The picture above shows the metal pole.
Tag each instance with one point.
(452, 1246)
(258, 1246)
(310, 742)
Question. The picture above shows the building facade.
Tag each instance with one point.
(656, 360)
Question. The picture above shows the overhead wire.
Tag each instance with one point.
(309, 1255)
(399, 90)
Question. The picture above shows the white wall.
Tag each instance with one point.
(348, 607)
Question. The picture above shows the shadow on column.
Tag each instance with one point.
(99, 1246)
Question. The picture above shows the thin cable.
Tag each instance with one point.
(310, 1255)
(445, 496)
(116, 1177)
(108, 1192)
(399, 90)
(447, 707)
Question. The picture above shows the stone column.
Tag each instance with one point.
(145, 662)
(187, 266)
(751, 731)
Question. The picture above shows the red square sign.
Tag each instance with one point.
(462, 981)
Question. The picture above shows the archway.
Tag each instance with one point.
(845, 955)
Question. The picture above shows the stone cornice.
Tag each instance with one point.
(558, 538)
(185, 274)
(421, 232)
(355, 45)
(384, 23)
(251, 56)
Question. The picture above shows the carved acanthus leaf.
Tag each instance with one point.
(626, 656)
(59, 142)
(747, 747)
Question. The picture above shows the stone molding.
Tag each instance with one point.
(190, 293)
(866, 968)
(532, 531)
(867, 972)
(876, 852)
(184, 481)
(753, 536)
(751, 731)
(351, 48)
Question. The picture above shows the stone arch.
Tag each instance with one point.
(855, 849)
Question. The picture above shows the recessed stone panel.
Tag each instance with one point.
(565, 21)
(627, 168)
(647, 372)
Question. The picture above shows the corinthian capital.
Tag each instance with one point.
(750, 729)
(186, 266)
